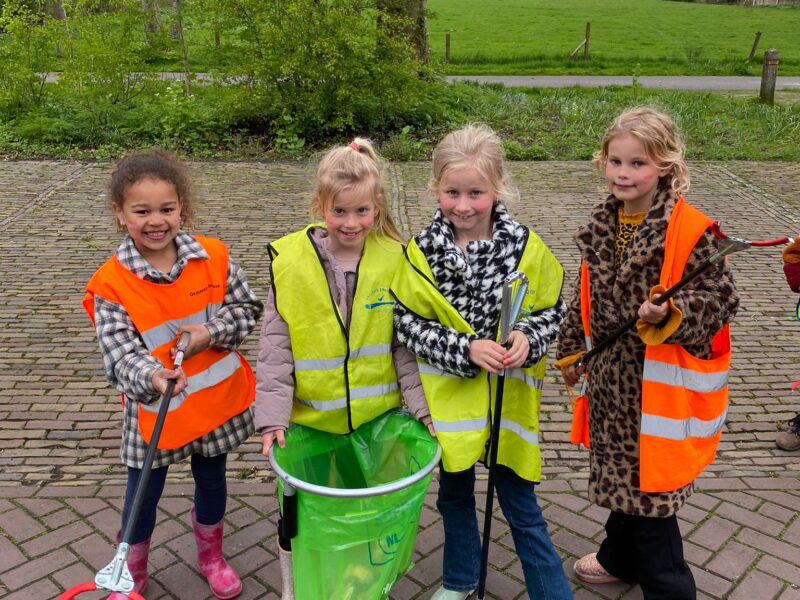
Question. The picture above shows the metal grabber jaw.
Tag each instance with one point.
(730, 245)
(115, 576)
(737, 244)
(515, 286)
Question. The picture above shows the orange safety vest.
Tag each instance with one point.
(220, 383)
(579, 435)
(684, 398)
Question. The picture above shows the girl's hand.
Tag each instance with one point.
(428, 422)
(268, 438)
(653, 314)
(487, 355)
(518, 349)
(199, 339)
(161, 378)
(570, 375)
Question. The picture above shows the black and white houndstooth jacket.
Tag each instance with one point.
(473, 285)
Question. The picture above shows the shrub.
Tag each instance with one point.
(27, 41)
(38, 127)
(334, 66)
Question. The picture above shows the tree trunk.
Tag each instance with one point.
(55, 9)
(184, 50)
(417, 13)
(416, 30)
(174, 26)
(152, 24)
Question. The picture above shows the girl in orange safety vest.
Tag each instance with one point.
(160, 283)
(657, 397)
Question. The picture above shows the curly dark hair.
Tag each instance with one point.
(154, 164)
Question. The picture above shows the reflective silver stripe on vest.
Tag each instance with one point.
(528, 436)
(373, 390)
(328, 364)
(588, 341)
(678, 429)
(661, 372)
(426, 369)
(374, 350)
(461, 426)
(324, 405)
(161, 334)
(216, 373)
(369, 391)
(519, 374)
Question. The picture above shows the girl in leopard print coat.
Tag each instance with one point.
(623, 246)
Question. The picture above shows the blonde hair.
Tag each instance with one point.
(479, 147)
(661, 140)
(346, 167)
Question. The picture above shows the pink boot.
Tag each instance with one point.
(222, 579)
(137, 565)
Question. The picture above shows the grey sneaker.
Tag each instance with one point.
(789, 440)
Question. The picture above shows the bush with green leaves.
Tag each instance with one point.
(291, 71)
(105, 46)
(28, 38)
(331, 65)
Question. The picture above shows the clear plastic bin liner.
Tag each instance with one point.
(356, 548)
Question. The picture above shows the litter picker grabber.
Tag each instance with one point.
(509, 311)
(115, 577)
(727, 245)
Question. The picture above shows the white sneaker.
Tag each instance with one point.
(443, 594)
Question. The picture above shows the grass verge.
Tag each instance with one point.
(536, 124)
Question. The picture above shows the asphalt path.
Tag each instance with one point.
(664, 82)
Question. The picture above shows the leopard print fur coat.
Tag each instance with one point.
(615, 375)
(473, 283)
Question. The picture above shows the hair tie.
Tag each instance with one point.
(354, 146)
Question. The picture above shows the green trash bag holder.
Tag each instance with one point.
(289, 514)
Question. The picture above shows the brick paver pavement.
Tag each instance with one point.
(61, 484)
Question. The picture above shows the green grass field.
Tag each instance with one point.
(662, 37)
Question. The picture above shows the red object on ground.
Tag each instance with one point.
(89, 586)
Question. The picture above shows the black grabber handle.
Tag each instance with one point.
(287, 526)
(149, 456)
(116, 576)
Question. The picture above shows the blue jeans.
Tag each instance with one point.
(541, 565)
(210, 494)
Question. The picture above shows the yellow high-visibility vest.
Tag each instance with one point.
(344, 376)
(461, 408)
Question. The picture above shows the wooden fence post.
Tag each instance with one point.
(586, 41)
(769, 73)
(447, 48)
(755, 46)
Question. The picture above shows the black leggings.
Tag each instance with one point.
(647, 550)
(210, 494)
